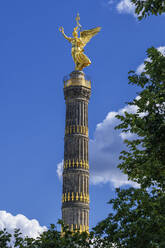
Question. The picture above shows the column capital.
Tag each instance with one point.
(77, 78)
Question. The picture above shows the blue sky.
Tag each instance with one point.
(34, 58)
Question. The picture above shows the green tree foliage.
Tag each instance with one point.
(144, 161)
(5, 238)
(48, 239)
(145, 8)
(138, 219)
(137, 222)
(139, 214)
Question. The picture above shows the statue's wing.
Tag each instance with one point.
(86, 35)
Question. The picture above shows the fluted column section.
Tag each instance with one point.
(75, 196)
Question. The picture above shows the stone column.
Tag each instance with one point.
(75, 197)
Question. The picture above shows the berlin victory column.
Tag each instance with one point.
(77, 91)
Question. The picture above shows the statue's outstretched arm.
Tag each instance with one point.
(65, 36)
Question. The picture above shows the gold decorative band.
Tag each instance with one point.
(71, 196)
(76, 129)
(77, 82)
(76, 164)
(78, 228)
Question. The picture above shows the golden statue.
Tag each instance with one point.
(78, 44)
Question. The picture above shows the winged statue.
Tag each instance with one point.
(78, 43)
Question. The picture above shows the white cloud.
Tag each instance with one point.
(30, 228)
(104, 150)
(126, 6)
(161, 49)
(60, 169)
(141, 67)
